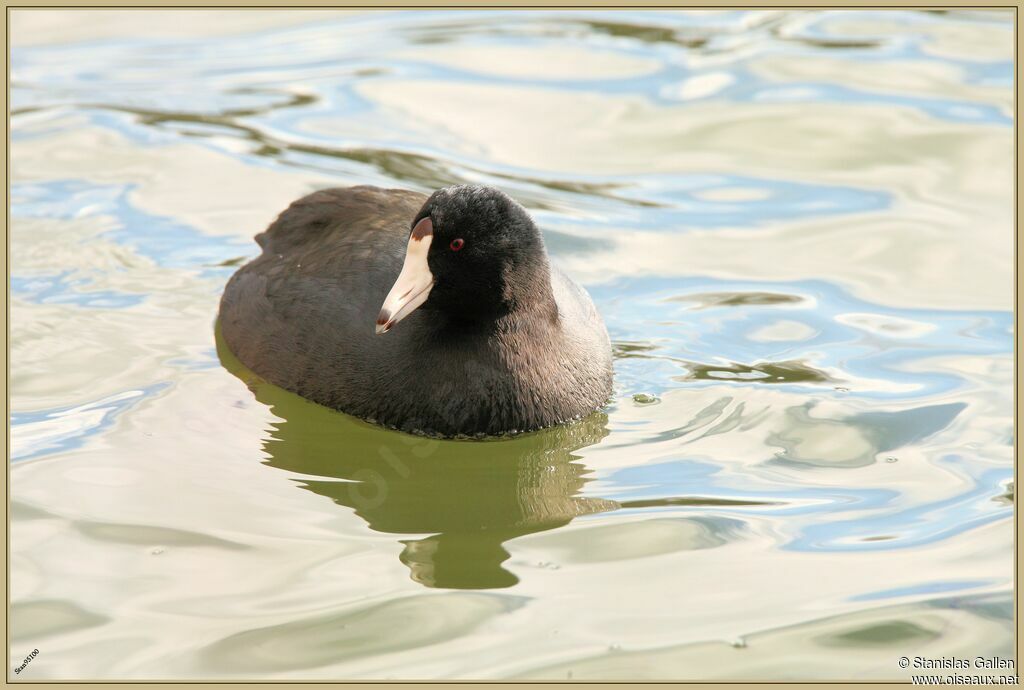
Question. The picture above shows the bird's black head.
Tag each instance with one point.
(474, 254)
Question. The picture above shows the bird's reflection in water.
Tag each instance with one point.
(469, 496)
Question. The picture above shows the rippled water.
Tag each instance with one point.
(797, 225)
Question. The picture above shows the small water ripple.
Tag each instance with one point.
(46, 432)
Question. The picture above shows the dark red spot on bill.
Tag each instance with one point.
(424, 228)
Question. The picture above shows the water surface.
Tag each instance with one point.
(798, 226)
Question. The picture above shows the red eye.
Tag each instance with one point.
(456, 244)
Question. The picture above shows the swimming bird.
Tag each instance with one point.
(437, 315)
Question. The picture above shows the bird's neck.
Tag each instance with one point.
(527, 292)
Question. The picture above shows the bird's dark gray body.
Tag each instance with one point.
(302, 316)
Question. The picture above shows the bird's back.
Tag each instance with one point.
(308, 303)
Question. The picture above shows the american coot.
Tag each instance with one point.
(437, 315)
